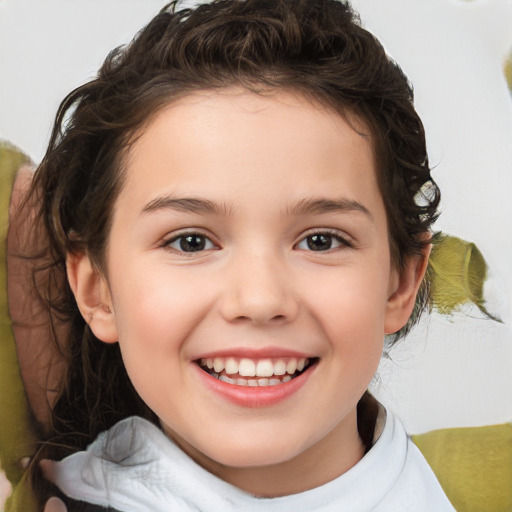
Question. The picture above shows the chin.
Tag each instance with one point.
(253, 456)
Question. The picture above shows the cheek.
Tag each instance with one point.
(352, 301)
(350, 309)
(157, 308)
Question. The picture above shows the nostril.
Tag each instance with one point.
(242, 318)
(259, 318)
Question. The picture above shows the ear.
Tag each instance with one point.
(404, 286)
(92, 296)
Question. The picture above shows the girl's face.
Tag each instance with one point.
(249, 284)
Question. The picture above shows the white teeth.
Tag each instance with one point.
(265, 368)
(247, 368)
(231, 366)
(253, 382)
(218, 364)
(280, 368)
(291, 367)
(225, 378)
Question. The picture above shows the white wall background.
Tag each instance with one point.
(450, 372)
(458, 371)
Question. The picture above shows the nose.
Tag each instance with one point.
(259, 290)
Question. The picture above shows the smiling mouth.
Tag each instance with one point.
(256, 372)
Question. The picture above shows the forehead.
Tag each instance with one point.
(225, 143)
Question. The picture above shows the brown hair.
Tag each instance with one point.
(314, 47)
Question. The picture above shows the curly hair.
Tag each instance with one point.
(316, 48)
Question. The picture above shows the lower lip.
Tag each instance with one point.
(252, 396)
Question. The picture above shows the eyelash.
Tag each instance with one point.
(333, 235)
(182, 237)
(205, 243)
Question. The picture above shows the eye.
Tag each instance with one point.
(322, 242)
(190, 242)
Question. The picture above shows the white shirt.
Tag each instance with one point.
(134, 467)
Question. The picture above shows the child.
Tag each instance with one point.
(242, 201)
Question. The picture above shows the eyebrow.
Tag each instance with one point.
(187, 205)
(323, 205)
(302, 207)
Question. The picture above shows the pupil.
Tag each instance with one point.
(191, 243)
(319, 242)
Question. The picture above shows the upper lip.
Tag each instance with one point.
(258, 353)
